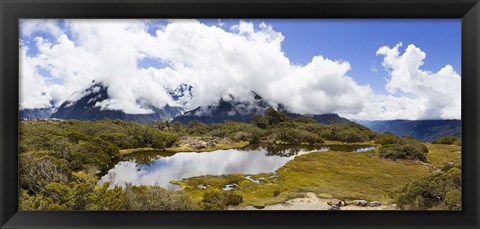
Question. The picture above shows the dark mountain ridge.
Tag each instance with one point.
(423, 130)
(229, 108)
(226, 109)
(242, 111)
(85, 109)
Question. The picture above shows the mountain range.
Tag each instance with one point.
(84, 109)
(226, 109)
(242, 111)
(229, 108)
(36, 113)
(423, 130)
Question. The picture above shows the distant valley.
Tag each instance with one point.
(423, 130)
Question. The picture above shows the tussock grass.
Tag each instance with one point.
(440, 154)
(349, 175)
(341, 175)
(218, 146)
(184, 148)
(124, 152)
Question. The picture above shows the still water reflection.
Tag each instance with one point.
(159, 168)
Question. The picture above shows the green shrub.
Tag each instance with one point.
(348, 132)
(241, 136)
(197, 127)
(160, 140)
(312, 139)
(441, 191)
(405, 152)
(387, 138)
(304, 119)
(448, 140)
(276, 193)
(76, 137)
(353, 137)
(155, 198)
(406, 148)
(295, 137)
(37, 169)
(221, 199)
(288, 136)
(254, 138)
(260, 121)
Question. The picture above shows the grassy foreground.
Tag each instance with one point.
(439, 155)
(341, 175)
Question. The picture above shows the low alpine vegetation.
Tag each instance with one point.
(405, 148)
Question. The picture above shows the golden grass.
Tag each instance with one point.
(218, 146)
(349, 175)
(341, 175)
(329, 142)
(124, 152)
(439, 154)
(184, 148)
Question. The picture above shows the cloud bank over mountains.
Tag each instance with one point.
(60, 58)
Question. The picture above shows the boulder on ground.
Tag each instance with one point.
(199, 145)
(334, 208)
(374, 204)
(336, 202)
(362, 203)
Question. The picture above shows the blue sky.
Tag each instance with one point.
(357, 41)
(401, 90)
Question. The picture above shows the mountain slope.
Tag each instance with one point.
(328, 119)
(242, 111)
(226, 109)
(36, 113)
(423, 130)
(85, 109)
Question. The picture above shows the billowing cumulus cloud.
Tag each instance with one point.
(216, 62)
(34, 92)
(415, 93)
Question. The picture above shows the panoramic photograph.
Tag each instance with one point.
(240, 114)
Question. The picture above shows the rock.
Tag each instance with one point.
(199, 145)
(362, 203)
(334, 208)
(374, 204)
(210, 144)
(259, 206)
(336, 202)
(229, 187)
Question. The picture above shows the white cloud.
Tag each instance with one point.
(415, 93)
(30, 26)
(33, 88)
(218, 62)
(214, 61)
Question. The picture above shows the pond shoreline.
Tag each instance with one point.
(236, 145)
(147, 167)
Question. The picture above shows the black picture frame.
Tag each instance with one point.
(13, 10)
